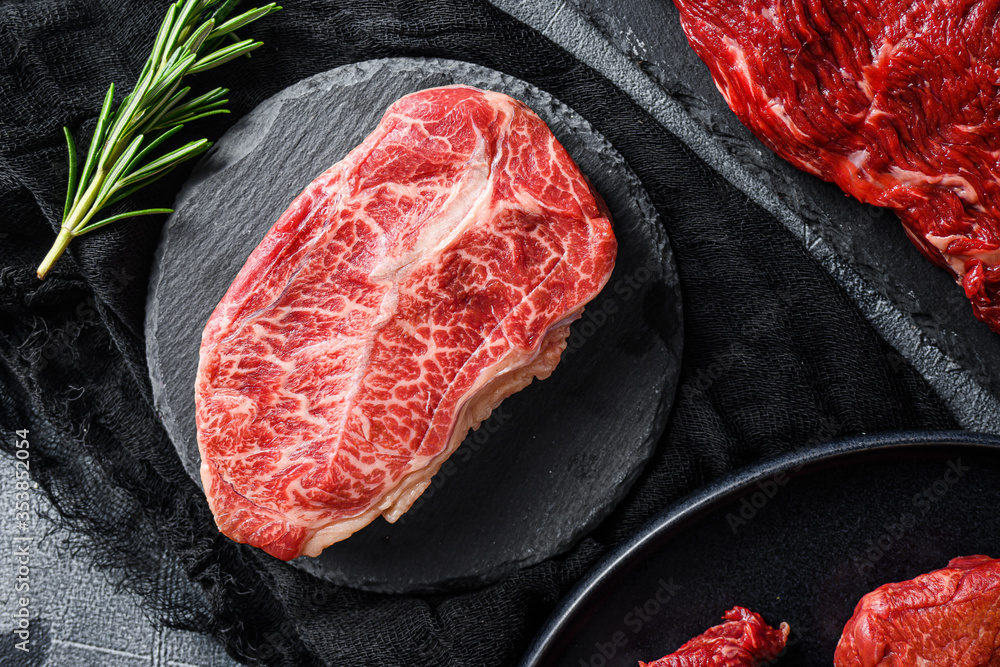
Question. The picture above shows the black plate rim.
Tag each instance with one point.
(674, 517)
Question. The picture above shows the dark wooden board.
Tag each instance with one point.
(552, 460)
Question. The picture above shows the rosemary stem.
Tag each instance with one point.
(55, 252)
(78, 216)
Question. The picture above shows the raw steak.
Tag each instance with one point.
(897, 102)
(744, 640)
(945, 618)
(408, 290)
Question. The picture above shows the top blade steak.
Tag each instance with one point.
(897, 102)
(408, 290)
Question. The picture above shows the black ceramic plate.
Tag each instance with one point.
(799, 539)
(540, 471)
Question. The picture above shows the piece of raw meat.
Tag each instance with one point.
(744, 640)
(945, 618)
(408, 290)
(897, 102)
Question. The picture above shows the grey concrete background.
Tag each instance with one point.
(76, 616)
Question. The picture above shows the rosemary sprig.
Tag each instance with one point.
(120, 158)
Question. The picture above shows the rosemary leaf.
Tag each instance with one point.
(168, 161)
(71, 187)
(185, 119)
(173, 74)
(117, 169)
(141, 155)
(160, 108)
(240, 21)
(225, 55)
(208, 100)
(128, 190)
(195, 41)
(121, 216)
(161, 37)
(96, 141)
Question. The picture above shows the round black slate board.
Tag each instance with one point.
(799, 539)
(552, 460)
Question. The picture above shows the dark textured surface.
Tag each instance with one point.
(78, 618)
(539, 472)
(871, 239)
(777, 355)
(799, 540)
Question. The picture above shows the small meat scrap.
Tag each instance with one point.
(946, 618)
(744, 640)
